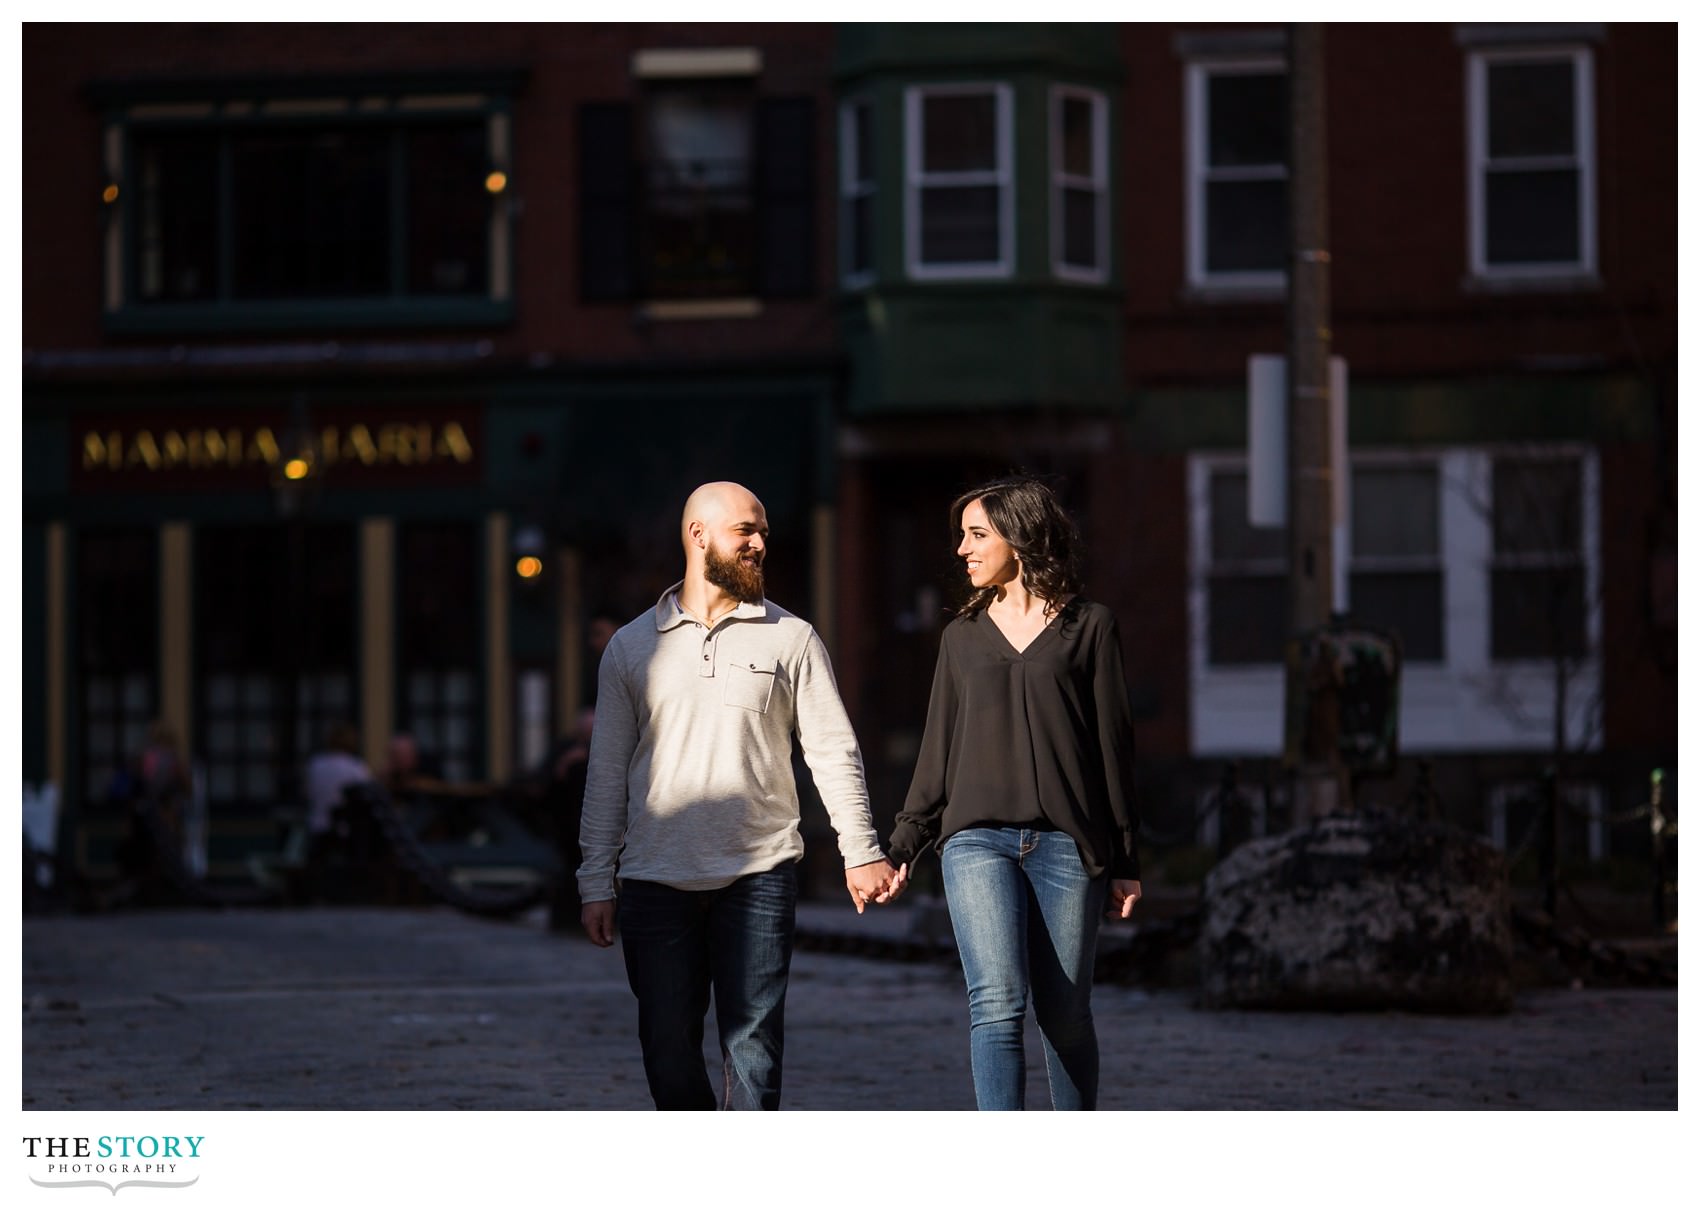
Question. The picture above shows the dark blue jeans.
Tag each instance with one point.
(733, 941)
(1026, 918)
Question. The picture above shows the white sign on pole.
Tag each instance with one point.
(1266, 454)
(1266, 440)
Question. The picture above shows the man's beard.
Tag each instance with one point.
(742, 581)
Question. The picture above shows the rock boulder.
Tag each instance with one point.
(1359, 911)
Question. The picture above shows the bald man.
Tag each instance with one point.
(690, 830)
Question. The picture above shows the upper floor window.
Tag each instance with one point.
(701, 191)
(354, 204)
(1080, 184)
(1531, 163)
(959, 200)
(697, 237)
(1237, 173)
(856, 191)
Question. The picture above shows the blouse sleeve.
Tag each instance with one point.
(917, 824)
(1115, 741)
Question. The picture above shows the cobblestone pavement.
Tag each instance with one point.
(391, 1009)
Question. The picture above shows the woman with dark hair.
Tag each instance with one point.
(1025, 782)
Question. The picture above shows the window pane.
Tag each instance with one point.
(1247, 226)
(1531, 109)
(1248, 620)
(257, 694)
(422, 691)
(1077, 143)
(1080, 228)
(457, 690)
(959, 133)
(1537, 507)
(699, 234)
(221, 738)
(959, 224)
(1408, 603)
(861, 234)
(1539, 613)
(177, 220)
(862, 143)
(700, 137)
(1533, 217)
(448, 210)
(1247, 119)
(260, 784)
(1232, 538)
(312, 213)
(1395, 512)
(137, 695)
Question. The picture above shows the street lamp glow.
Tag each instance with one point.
(529, 567)
(296, 469)
(496, 182)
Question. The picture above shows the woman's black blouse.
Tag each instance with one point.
(1041, 737)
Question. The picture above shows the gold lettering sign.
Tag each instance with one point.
(391, 444)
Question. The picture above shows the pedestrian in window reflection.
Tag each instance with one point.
(1025, 782)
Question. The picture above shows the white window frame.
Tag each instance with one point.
(1001, 176)
(852, 189)
(1199, 175)
(1098, 183)
(1466, 703)
(1582, 159)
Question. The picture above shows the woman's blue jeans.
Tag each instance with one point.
(1026, 919)
(735, 941)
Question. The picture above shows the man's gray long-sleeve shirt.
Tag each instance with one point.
(690, 780)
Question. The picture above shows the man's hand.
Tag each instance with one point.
(598, 919)
(1124, 894)
(872, 882)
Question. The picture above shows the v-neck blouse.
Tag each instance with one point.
(1042, 737)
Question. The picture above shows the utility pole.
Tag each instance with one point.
(1310, 476)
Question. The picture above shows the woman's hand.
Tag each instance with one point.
(1124, 895)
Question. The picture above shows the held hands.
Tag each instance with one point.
(1124, 894)
(875, 883)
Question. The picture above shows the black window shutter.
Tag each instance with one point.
(785, 197)
(607, 202)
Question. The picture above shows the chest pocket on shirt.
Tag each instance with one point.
(749, 684)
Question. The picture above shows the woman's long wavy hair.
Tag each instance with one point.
(1027, 515)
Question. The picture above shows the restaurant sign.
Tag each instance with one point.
(359, 447)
